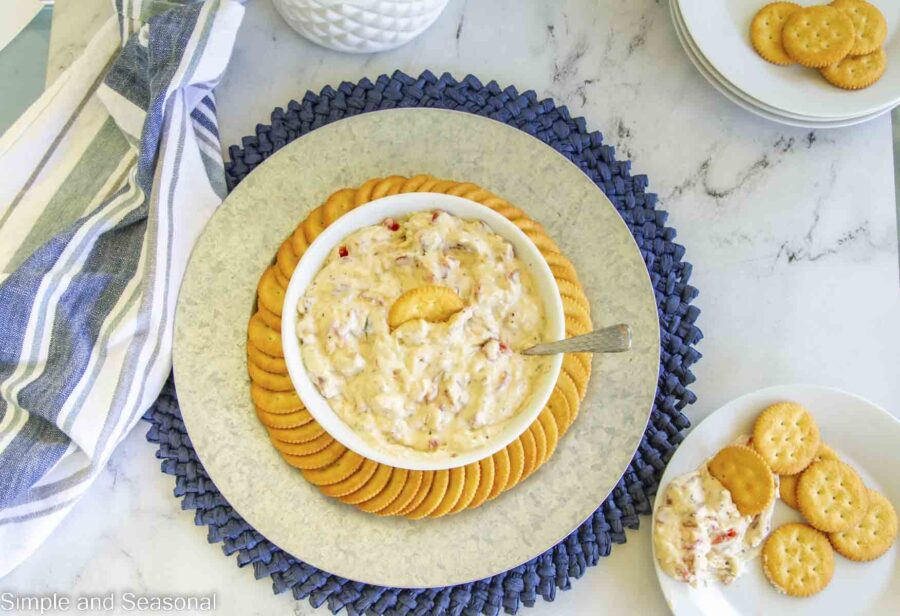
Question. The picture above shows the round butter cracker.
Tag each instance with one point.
(320, 460)
(390, 492)
(516, 452)
(435, 304)
(407, 494)
(463, 188)
(566, 387)
(280, 421)
(264, 337)
(313, 225)
(269, 318)
(412, 184)
(551, 432)
(270, 293)
(868, 23)
(286, 260)
(420, 494)
(873, 535)
(559, 409)
(433, 498)
(817, 36)
(338, 204)
(364, 192)
(376, 483)
(345, 466)
(455, 484)
(485, 482)
(856, 72)
(390, 185)
(765, 31)
(529, 453)
(831, 496)
(540, 442)
(282, 280)
(786, 436)
(298, 434)
(470, 486)
(268, 380)
(798, 560)
(575, 369)
(298, 241)
(352, 483)
(305, 448)
(275, 365)
(527, 225)
(502, 468)
(581, 317)
(543, 242)
(564, 271)
(477, 194)
(787, 486)
(275, 402)
(746, 476)
(787, 489)
(442, 186)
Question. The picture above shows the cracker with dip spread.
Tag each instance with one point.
(700, 534)
(788, 483)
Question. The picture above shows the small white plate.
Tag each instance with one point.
(740, 98)
(721, 30)
(863, 435)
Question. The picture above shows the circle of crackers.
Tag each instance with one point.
(363, 483)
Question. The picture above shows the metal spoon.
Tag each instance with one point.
(613, 339)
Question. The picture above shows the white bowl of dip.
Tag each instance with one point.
(374, 213)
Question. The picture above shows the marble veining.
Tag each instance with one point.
(796, 263)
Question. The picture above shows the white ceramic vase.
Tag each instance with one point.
(360, 26)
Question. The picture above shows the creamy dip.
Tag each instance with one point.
(447, 386)
(699, 535)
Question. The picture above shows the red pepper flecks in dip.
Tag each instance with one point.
(443, 387)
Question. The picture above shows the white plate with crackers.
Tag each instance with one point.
(852, 571)
(805, 60)
(739, 98)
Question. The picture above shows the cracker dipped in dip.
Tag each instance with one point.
(699, 535)
(445, 386)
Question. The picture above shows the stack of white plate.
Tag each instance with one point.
(716, 37)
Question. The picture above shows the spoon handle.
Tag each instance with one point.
(613, 339)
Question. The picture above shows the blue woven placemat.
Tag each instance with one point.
(633, 494)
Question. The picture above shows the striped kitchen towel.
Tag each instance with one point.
(105, 184)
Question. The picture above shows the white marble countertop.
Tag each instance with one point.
(792, 235)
